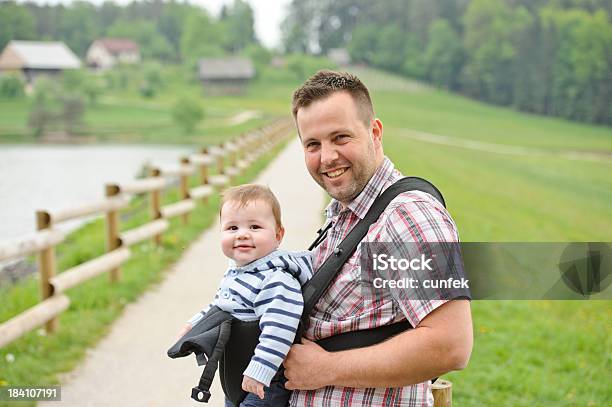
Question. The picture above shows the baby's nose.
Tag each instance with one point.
(243, 234)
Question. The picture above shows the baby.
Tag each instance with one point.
(262, 282)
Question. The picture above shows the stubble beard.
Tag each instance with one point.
(360, 177)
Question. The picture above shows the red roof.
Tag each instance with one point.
(116, 45)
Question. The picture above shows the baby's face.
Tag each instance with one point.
(248, 233)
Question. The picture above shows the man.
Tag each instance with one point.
(343, 150)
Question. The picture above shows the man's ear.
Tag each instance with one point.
(377, 132)
(280, 233)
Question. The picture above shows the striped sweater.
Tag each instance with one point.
(268, 289)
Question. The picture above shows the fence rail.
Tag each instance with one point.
(228, 160)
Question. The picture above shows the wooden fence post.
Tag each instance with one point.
(112, 230)
(443, 393)
(204, 174)
(220, 161)
(185, 187)
(46, 266)
(156, 204)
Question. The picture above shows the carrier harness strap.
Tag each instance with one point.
(318, 284)
(201, 392)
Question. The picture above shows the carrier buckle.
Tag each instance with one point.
(200, 395)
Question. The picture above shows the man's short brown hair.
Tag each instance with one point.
(243, 195)
(324, 83)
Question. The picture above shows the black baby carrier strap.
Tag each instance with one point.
(207, 340)
(320, 281)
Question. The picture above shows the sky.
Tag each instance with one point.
(268, 14)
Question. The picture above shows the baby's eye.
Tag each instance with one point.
(255, 227)
(232, 228)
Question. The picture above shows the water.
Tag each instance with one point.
(34, 177)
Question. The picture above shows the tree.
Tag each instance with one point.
(79, 26)
(444, 55)
(43, 110)
(108, 13)
(299, 27)
(16, 23)
(389, 51)
(201, 37)
(54, 106)
(581, 72)
(11, 86)
(260, 56)
(187, 113)
(304, 66)
(414, 64)
(171, 23)
(421, 15)
(491, 32)
(239, 25)
(152, 43)
(363, 44)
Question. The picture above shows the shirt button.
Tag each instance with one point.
(233, 272)
(225, 295)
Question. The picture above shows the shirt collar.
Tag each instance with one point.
(255, 263)
(362, 203)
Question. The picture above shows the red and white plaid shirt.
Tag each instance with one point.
(410, 217)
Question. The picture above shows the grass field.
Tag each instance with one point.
(123, 115)
(506, 176)
(526, 353)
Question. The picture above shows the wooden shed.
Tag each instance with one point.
(34, 58)
(225, 75)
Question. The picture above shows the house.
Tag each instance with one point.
(225, 75)
(34, 58)
(108, 52)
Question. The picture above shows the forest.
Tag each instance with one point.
(551, 57)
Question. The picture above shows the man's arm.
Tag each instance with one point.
(440, 343)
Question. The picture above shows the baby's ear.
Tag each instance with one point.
(280, 233)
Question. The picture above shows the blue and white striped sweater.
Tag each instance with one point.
(268, 289)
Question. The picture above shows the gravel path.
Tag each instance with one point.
(129, 366)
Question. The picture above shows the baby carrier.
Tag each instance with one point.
(212, 343)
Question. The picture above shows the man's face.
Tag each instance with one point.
(340, 151)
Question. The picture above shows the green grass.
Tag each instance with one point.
(537, 353)
(124, 116)
(495, 197)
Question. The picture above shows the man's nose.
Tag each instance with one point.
(329, 154)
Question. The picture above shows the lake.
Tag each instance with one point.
(34, 177)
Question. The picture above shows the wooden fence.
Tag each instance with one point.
(228, 160)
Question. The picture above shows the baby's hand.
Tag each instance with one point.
(183, 331)
(253, 386)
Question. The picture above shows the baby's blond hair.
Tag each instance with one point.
(242, 195)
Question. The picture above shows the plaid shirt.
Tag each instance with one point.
(411, 217)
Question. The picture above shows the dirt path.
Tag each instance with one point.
(129, 366)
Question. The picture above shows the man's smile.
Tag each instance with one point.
(335, 173)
